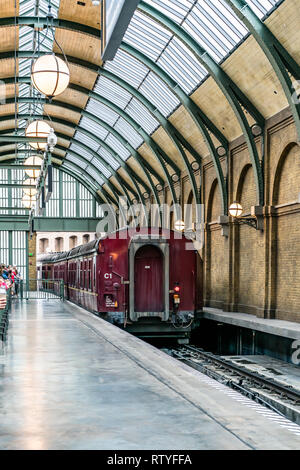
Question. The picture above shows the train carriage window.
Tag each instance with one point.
(94, 274)
(90, 273)
(81, 274)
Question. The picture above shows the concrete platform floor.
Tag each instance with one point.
(69, 380)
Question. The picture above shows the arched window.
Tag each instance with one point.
(72, 242)
(43, 245)
(59, 244)
(85, 239)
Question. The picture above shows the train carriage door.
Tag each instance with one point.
(149, 280)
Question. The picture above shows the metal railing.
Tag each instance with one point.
(45, 289)
(4, 316)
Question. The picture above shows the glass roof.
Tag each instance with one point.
(27, 41)
(210, 22)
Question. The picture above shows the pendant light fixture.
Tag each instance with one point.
(30, 191)
(38, 129)
(50, 75)
(27, 201)
(34, 160)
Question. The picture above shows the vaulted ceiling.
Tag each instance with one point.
(189, 78)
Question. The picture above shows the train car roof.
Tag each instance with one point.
(92, 246)
(85, 249)
(80, 250)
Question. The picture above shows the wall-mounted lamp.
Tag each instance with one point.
(179, 225)
(255, 220)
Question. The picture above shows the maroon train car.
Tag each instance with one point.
(143, 281)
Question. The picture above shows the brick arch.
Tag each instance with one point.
(288, 173)
(246, 189)
(190, 210)
(214, 204)
(43, 244)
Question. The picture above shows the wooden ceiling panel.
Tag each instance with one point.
(125, 176)
(284, 24)
(7, 124)
(148, 155)
(58, 112)
(8, 149)
(78, 45)
(8, 38)
(8, 8)
(60, 152)
(213, 103)
(108, 190)
(165, 142)
(63, 142)
(7, 109)
(57, 161)
(72, 97)
(86, 14)
(61, 129)
(7, 91)
(250, 69)
(82, 77)
(113, 180)
(7, 67)
(182, 120)
(133, 164)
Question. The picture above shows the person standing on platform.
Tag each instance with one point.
(18, 279)
(3, 291)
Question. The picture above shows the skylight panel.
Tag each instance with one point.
(27, 8)
(96, 162)
(76, 161)
(159, 94)
(142, 116)
(261, 7)
(95, 175)
(108, 157)
(81, 151)
(92, 144)
(102, 111)
(147, 35)
(112, 91)
(93, 127)
(129, 133)
(176, 10)
(116, 145)
(128, 68)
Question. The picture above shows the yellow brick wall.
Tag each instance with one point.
(251, 271)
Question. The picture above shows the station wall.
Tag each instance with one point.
(252, 271)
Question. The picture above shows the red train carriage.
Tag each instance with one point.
(143, 282)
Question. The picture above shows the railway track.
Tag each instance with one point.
(281, 398)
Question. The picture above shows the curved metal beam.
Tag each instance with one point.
(158, 152)
(99, 142)
(113, 188)
(88, 183)
(156, 149)
(202, 122)
(236, 98)
(279, 58)
(108, 199)
(81, 170)
(41, 22)
(138, 157)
